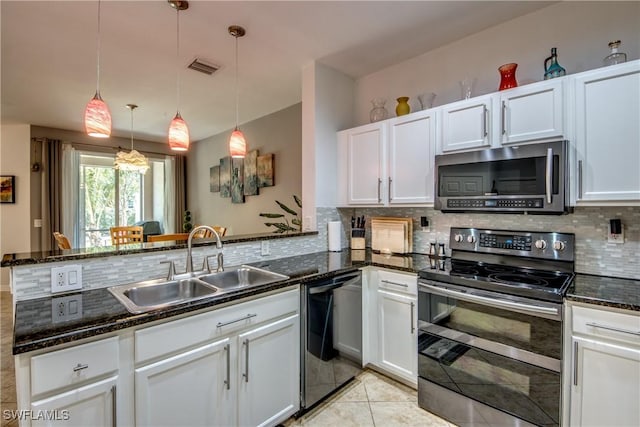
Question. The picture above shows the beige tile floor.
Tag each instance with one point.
(8, 376)
(372, 399)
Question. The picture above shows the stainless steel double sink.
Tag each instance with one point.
(151, 295)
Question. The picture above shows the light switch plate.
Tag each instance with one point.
(66, 278)
(616, 238)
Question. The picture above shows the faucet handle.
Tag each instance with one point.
(172, 269)
(220, 262)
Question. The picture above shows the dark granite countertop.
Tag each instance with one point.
(606, 291)
(34, 327)
(27, 258)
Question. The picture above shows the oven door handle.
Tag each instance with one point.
(549, 174)
(493, 302)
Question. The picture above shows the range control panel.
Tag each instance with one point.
(548, 245)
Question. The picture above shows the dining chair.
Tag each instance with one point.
(126, 234)
(61, 239)
(205, 234)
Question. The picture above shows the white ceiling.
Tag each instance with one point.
(49, 51)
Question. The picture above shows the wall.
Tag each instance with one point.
(15, 218)
(580, 31)
(278, 133)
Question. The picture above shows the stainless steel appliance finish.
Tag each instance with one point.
(331, 339)
(490, 327)
(530, 178)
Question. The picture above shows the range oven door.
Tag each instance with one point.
(501, 351)
(531, 178)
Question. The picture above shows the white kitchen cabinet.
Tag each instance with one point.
(530, 113)
(607, 107)
(605, 367)
(269, 374)
(390, 324)
(466, 124)
(387, 163)
(191, 388)
(239, 365)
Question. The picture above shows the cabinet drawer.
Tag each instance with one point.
(176, 335)
(398, 282)
(606, 324)
(73, 365)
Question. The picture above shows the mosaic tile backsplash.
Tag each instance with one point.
(593, 254)
(590, 225)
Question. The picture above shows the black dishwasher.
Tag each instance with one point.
(331, 338)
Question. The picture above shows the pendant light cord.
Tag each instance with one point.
(98, 61)
(178, 61)
(237, 90)
(131, 108)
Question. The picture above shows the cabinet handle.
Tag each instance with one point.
(114, 408)
(611, 328)
(484, 121)
(80, 367)
(390, 196)
(248, 316)
(404, 285)
(246, 361)
(413, 328)
(504, 117)
(580, 179)
(575, 363)
(379, 184)
(227, 382)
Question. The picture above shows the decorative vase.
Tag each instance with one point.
(551, 67)
(403, 106)
(508, 76)
(378, 112)
(426, 100)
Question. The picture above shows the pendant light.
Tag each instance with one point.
(133, 160)
(237, 143)
(97, 117)
(178, 130)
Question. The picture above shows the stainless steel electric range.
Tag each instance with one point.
(490, 327)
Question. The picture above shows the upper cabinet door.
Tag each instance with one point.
(365, 151)
(532, 112)
(467, 124)
(411, 158)
(608, 133)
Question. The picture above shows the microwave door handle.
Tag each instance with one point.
(549, 174)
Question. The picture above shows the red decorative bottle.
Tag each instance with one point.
(508, 76)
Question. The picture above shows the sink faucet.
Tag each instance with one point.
(189, 245)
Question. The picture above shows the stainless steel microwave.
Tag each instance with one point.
(530, 178)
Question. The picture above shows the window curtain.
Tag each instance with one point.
(169, 214)
(70, 190)
(50, 191)
(180, 186)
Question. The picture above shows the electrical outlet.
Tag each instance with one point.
(66, 308)
(616, 238)
(264, 248)
(66, 278)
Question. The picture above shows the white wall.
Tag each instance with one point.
(15, 218)
(580, 31)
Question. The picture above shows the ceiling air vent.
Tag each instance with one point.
(203, 67)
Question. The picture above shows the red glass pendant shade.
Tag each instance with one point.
(178, 134)
(237, 144)
(97, 118)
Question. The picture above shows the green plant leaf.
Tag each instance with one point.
(298, 201)
(296, 221)
(272, 215)
(287, 209)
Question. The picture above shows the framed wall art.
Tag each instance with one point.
(214, 179)
(7, 189)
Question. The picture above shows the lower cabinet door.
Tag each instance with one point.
(605, 387)
(90, 405)
(269, 373)
(397, 334)
(193, 388)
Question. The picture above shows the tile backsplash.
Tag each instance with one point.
(590, 225)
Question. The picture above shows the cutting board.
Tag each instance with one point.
(389, 234)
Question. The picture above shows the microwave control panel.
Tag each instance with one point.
(528, 203)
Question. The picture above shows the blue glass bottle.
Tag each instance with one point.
(551, 67)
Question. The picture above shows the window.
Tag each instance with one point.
(108, 197)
